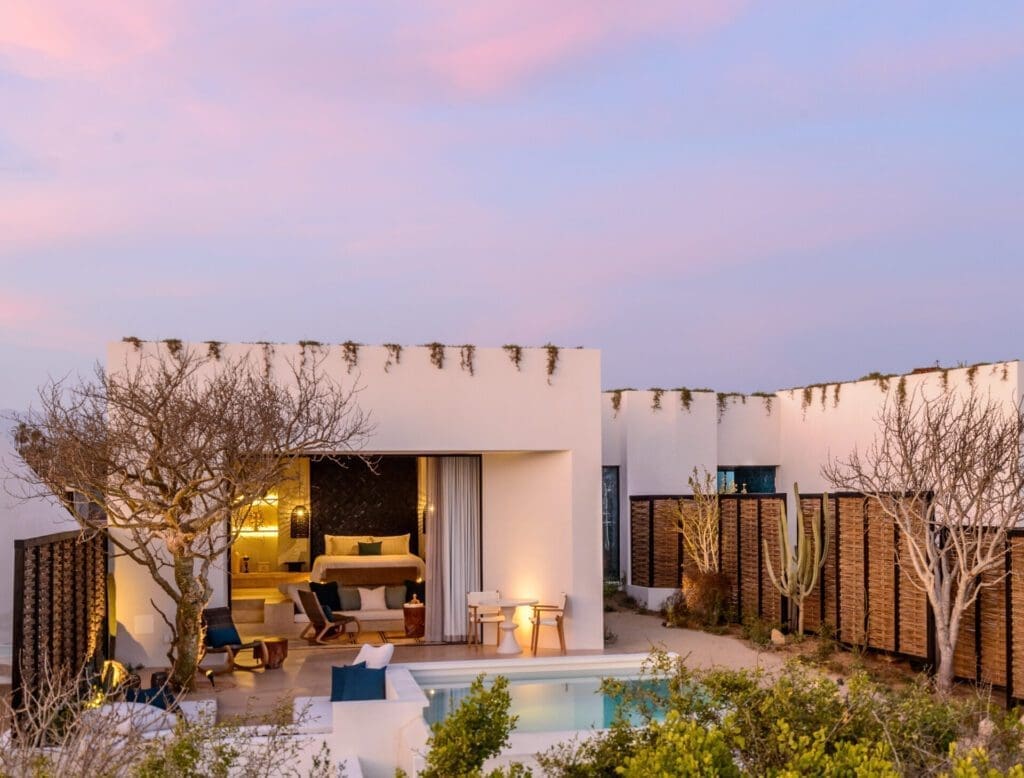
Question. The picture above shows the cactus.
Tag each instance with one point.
(799, 567)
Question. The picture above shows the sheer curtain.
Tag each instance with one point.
(453, 532)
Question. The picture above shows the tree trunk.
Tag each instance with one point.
(800, 617)
(944, 673)
(185, 648)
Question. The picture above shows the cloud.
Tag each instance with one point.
(70, 37)
(484, 48)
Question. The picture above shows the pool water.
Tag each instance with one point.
(552, 704)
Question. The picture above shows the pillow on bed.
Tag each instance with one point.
(394, 544)
(372, 599)
(343, 545)
(369, 549)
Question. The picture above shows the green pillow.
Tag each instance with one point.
(394, 596)
(350, 599)
(370, 549)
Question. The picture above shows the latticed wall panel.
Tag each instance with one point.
(913, 609)
(1016, 615)
(852, 584)
(750, 558)
(640, 541)
(668, 544)
(881, 578)
(729, 561)
(60, 605)
(992, 610)
(771, 599)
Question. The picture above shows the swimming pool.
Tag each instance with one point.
(546, 696)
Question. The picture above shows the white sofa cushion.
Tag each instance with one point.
(372, 599)
(375, 657)
(129, 718)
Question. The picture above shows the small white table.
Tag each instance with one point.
(508, 643)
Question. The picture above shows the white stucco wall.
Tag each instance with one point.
(20, 519)
(543, 482)
(657, 449)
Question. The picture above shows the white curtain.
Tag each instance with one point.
(453, 540)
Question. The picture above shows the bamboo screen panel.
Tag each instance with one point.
(852, 586)
(771, 599)
(913, 608)
(60, 605)
(992, 611)
(820, 604)
(640, 541)
(881, 578)
(668, 544)
(1017, 611)
(728, 561)
(750, 559)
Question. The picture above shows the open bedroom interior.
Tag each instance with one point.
(361, 549)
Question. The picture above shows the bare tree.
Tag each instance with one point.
(948, 471)
(175, 448)
(698, 521)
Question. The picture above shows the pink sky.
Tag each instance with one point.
(716, 193)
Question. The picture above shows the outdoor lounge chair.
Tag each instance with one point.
(483, 609)
(221, 637)
(321, 629)
(548, 616)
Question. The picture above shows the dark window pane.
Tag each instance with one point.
(610, 522)
(749, 480)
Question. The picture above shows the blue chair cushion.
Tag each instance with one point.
(356, 682)
(218, 637)
(327, 593)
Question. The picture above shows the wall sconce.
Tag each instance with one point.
(300, 522)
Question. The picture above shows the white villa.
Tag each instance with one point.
(497, 469)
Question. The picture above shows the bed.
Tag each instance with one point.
(342, 562)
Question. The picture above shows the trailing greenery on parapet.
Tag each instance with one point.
(881, 379)
(467, 352)
(685, 398)
(552, 363)
(616, 400)
(656, 397)
(173, 346)
(214, 348)
(136, 342)
(350, 354)
(767, 399)
(723, 398)
(394, 355)
(515, 354)
(304, 346)
(268, 355)
(436, 354)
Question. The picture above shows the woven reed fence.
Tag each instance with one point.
(863, 592)
(60, 605)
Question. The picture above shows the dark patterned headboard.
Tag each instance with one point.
(348, 498)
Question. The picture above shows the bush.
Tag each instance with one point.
(758, 631)
(707, 596)
(793, 724)
(674, 610)
(826, 642)
(477, 730)
(680, 746)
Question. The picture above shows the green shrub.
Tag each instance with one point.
(674, 610)
(758, 631)
(680, 746)
(477, 730)
(826, 642)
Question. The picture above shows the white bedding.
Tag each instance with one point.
(331, 562)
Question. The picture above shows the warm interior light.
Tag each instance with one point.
(299, 522)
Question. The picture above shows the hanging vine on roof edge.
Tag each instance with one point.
(268, 356)
(616, 400)
(394, 355)
(312, 345)
(466, 353)
(685, 398)
(656, 399)
(552, 350)
(213, 349)
(436, 354)
(136, 342)
(515, 353)
(350, 353)
(173, 347)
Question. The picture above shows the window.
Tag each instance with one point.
(747, 480)
(610, 522)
